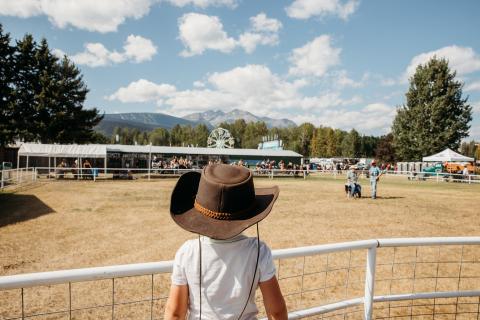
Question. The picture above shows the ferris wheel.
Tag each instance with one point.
(220, 138)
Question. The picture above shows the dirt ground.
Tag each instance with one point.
(63, 225)
(75, 224)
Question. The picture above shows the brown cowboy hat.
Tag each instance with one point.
(220, 202)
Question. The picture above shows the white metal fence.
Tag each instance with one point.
(26, 175)
(17, 177)
(408, 278)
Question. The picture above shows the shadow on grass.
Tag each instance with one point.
(383, 198)
(21, 207)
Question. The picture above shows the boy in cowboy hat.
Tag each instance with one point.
(215, 277)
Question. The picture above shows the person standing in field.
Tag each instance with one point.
(352, 179)
(215, 276)
(374, 173)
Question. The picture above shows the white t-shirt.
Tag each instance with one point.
(227, 274)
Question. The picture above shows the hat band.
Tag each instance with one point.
(221, 215)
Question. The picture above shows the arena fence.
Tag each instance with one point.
(17, 177)
(408, 278)
(21, 176)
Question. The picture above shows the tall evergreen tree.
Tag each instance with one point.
(71, 122)
(26, 83)
(7, 70)
(435, 115)
(47, 95)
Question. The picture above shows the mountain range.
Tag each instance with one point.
(215, 117)
(148, 121)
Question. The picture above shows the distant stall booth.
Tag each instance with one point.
(136, 156)
(123, 156)
(51, 155)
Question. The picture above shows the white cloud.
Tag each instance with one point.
(464, 60)
(20, 8)
(474, 86)
(476, 107)
(343, 80)
(204, 3)
(199, 32)
(256, 89)
(93, 15)
(142, 91)
(263, 30)
(253, 88)
(261, 23)
(305, 9)
(198, 84)
(136, 49)
(315, 58)
(139, 49)
(375, 117)
(58, 53)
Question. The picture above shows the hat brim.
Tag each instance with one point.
(184, 214)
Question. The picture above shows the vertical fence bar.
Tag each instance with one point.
(23, 306)
(113, 298)
(151, 304)
(70, 300)
(369, 283)
(2, 177)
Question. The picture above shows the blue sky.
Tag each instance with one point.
(340, 63)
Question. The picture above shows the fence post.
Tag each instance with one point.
(3, 173)
(437, 177)
(369, 283)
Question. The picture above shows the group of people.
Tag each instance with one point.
(354, 190)
(85, 171)
(266, 166)
(174, 163)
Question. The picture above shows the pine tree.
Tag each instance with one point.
(47, 96)
(72, 123)
(7, 70)
(26, 83)
(435, 115)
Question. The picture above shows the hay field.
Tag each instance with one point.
(75, 224)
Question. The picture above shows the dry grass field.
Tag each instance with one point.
(75, 224)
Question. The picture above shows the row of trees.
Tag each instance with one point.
(41, 97)
(177, 136)
(305, 139)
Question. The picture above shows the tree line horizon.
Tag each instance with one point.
(42, 100)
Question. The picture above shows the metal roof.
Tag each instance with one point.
(202, 151)
(100, 150)
(63, 150)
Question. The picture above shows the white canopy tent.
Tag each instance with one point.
(61, 151)
(447, 155)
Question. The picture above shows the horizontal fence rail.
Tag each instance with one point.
(21, 176)
(378, 278)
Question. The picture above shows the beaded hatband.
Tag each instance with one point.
(221, 215)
